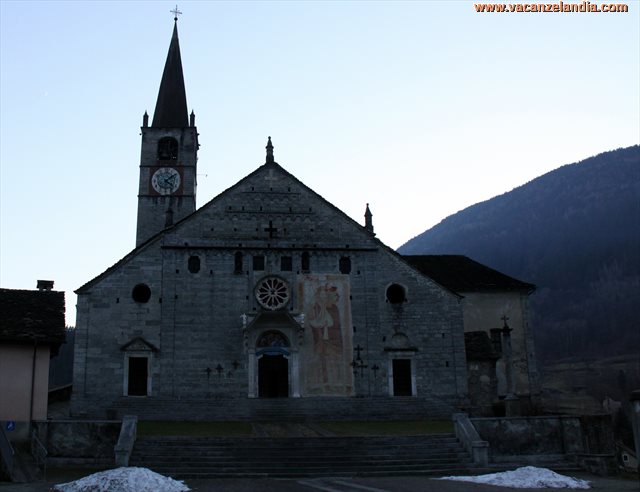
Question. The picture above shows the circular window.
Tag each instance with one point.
(396, 294)
(141, 293)
(272, 293)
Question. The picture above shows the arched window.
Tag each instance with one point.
(194, 264)
(305, 263)
(345, 265)
(167, 149)
(237, 262)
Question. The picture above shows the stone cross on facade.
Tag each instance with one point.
(357, 350)
(270, 178)
(271, 230)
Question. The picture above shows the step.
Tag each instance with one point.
(193, 457)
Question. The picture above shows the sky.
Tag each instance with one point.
(418, 108)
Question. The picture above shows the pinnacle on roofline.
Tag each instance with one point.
(269, 148)
(368, 219)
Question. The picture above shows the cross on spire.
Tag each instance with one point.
(505, 318)
(175, 13)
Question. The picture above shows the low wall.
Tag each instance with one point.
(79, 442)
(531, 435)
(540, 437)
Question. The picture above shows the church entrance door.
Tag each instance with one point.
(138, 372)
(273, 376)
(401, 377)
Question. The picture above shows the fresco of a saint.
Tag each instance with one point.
(328, 339)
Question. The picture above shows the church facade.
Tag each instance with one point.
(267, 293)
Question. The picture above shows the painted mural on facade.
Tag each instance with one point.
(327, 348)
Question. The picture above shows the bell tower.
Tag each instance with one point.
(169, 153)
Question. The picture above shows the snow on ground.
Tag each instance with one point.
(123, 480)
(527, 477)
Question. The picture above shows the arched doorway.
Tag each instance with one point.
(272, 350)
(273, 376)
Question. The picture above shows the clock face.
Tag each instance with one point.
(165, 180)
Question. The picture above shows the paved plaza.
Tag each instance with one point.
(342, 484)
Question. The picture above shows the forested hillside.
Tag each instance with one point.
(575, 233)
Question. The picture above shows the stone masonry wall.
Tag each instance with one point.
(192, 321)
(483, 311)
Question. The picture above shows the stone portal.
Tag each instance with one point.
(401, 377)
(273, 376)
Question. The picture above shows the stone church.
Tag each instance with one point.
(267, 302)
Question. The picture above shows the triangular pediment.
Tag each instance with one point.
(138, 344)
(270, 208)
(273, 320)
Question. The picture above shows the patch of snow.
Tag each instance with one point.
(129, 479)
(527, 477)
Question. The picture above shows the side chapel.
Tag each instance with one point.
(266, 299)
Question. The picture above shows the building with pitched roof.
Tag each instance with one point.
(496, 309)
(31, 331)
(267, 302)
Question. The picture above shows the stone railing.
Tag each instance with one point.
(126, 440)
(470, 439)
(6, 453)
(39, 453)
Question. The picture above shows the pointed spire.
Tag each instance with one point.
(368, 222)
(171, 106)
(269, 148)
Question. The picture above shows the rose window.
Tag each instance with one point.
(272, 293)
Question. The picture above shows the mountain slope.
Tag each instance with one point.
(575, 233)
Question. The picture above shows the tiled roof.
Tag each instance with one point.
(30, 314)
(462, 274)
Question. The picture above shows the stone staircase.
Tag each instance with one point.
(279, 409)
(189, 457)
